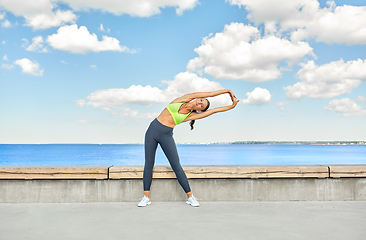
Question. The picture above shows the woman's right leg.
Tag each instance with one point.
(150, 151)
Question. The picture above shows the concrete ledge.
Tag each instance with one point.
(193, 172)
(295, 171)
(54, 172)
(209, 183)
(338, 171)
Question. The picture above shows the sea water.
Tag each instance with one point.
(190, 154)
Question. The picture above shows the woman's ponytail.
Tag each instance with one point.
(191, 123)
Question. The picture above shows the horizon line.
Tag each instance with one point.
(207, 143)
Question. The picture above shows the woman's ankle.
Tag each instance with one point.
(147, 193)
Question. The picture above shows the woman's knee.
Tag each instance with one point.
(177, 169)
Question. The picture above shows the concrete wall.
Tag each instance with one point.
(130, 190)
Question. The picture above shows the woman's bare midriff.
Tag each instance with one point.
(166, 118)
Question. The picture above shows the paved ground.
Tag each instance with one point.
(176, 220)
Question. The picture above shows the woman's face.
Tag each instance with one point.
(200, 104)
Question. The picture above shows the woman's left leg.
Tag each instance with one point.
(167, 143)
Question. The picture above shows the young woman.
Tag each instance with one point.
(189, 107)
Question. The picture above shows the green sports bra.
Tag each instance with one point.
(173, 108)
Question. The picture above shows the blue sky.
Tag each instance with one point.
(81, 72)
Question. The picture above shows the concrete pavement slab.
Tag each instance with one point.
(176, 220)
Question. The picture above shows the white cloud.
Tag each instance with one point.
(260, 11)
(6, 24)
(46, 13)
(145, 95)
(38, 14)
(79, 40)
(5, 58)
(81, 121)
(328, 80)
(101, 28)
(140, 8)
(347, 107)
(29, 67)
(36, 46)
(361, 99)
(93, 66)
(185, 82)
(239, 52)
(7, 66)
(342, 24)
(132, 95)
(258, 96)
(3, 42)
(43, 21)
(26, 7)
(63, 62)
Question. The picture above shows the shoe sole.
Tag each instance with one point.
(145, 205)
(191, 204)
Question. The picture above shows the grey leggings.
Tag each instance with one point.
(159, 133)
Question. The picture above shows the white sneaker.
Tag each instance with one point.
(144, 201)
(192, 201)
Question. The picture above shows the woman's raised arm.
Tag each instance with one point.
(190, 96)
(195, 116)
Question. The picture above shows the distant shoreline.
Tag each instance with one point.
(304, 142)
(284, 143)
